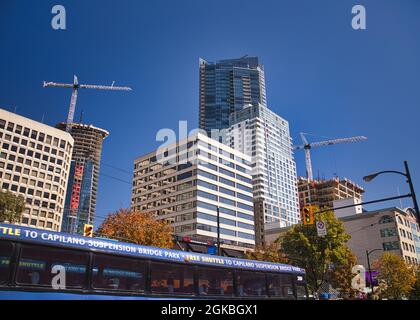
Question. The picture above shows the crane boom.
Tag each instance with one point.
(307, 146)
(76, 86)
(337, 141)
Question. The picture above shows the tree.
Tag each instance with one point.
(323, 258)
(11, 207)
(396, 278)
(137, 227)
(415, 292)
(269, 253)
(341, 275)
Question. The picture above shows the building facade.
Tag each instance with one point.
(323, 193)
(264, 136)
(35, 163)
(392, 230)
(226, 86)
(186, 183)
(80, 202)
(389, 230)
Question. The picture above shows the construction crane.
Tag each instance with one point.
(76, 86)
(308, 146)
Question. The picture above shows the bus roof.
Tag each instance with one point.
(39, 236)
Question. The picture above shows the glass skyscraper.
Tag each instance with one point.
(260, 133)
(227, 86)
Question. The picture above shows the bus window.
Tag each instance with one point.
(42, 266)
(172, 278)
(251, 283)
(5, 256)
(215, 281)
(280, 285)
(301, 292)
(117, 273)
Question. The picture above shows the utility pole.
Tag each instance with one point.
(218, 231)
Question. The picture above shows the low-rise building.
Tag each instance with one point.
(390, 230)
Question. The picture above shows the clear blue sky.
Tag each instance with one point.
(321, 75)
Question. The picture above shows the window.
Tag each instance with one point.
(227, 182)
(215, 282)
(227, 201)
(36, 265)
(227, 191)
(227, 172)
(116, 273)
(244, 179)
(388, 232)
(207, 185)
(206, 195)
(388, 246)
(207, 175)
(5, 255)
(251, 284)
(280, 285)
(171, 278)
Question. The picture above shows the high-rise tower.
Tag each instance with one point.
(227, 86)
(262, 134)
(84, 176)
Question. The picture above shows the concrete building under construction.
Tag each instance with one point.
(84, 176)
(323, 193)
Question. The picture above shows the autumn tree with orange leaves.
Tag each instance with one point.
(136, 227)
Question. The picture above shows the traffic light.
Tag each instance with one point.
(88, 230)
(307, 214)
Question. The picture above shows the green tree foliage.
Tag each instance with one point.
(11, 207)
(269, 253)
(396, 278)
(325, 258)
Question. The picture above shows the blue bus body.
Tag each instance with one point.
(22, 239)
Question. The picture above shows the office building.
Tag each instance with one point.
(35, 163)
(264, 136)
(186, 182)
(322, 193)
(80, 202)
(227, 86)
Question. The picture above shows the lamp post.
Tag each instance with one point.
(370, 271)
(218, 231)
(409, 181)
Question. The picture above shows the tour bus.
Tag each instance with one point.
(38, 264)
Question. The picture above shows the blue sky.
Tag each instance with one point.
(321, 75)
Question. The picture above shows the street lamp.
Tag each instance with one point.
(372, 176)
(370, 271)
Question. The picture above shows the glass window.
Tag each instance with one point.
(171, 278)
(227, 182)
(227, 191)
(215, 282)
(207, 185)
(227, 201)
(118, 273)
(206, 195)
(5, 255)
(385, 219)
(280, 285)
(37, 264)
(251, 284)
